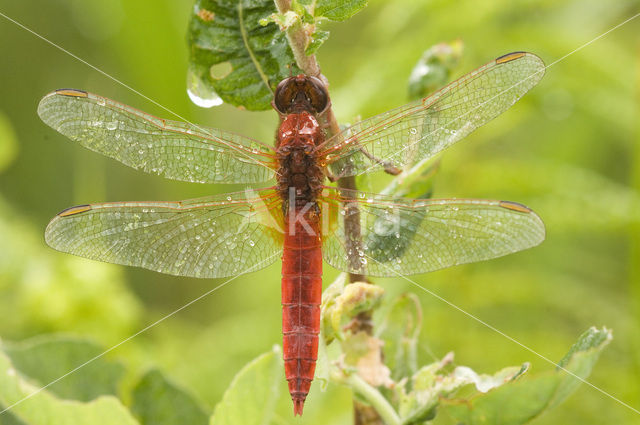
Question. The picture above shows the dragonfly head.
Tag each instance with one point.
(302, 93)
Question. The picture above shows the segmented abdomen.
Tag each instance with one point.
(301, 297)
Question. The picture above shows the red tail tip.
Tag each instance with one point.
(298, 404)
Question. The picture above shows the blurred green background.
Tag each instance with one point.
(570, 150)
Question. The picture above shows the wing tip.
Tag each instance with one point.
(42, 105)
(520, 208)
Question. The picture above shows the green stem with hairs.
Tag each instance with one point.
(298, 41)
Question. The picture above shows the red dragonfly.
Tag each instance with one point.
(298, 217)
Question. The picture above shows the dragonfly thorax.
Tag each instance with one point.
(298, 172)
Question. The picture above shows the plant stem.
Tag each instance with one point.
(298, 41)
(373, 397)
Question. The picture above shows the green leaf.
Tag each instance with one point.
(283, 20)
(342, 302)
(589, 340)
(580, 361)
(45, 359)
(157, 401)
(429, 385)
(339, 10)
(329, 299)
(426, 386)
(34, 407)
(251, 397)
(317, 39)
(510, 404)
(400, 330)
(257, 57)
(434, 68)
(517, 402)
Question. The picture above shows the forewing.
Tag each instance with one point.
(172, 149)
(421, 129)
(209, 237)
(411, 236)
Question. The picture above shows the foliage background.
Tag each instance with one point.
(570, 150)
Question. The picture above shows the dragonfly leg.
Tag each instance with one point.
(332, 177)
(387, 165)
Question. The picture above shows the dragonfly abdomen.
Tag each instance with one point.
(301, 297)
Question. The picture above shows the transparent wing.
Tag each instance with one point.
(172, 149)
(411, 236)
(209, 237)
(419, 130)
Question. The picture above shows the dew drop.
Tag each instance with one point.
(200, 93)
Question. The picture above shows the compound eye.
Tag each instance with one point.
(317, 94)
(284, 95)
(301, 92)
